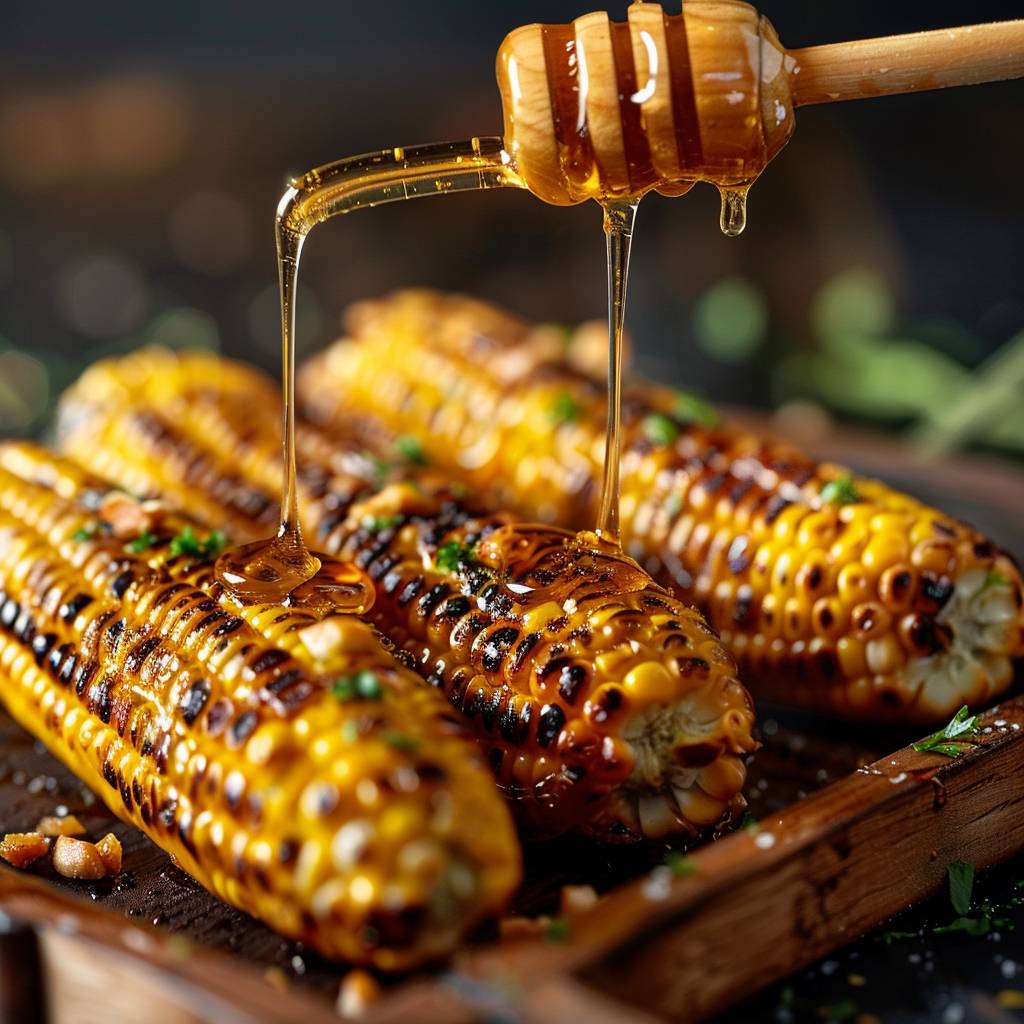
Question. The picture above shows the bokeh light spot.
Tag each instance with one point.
(211, 232)
(102, 295)
(183, 327)
(730, 320)
(856, 302)
(24, 390)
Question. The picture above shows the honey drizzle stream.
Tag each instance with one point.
(619, 218)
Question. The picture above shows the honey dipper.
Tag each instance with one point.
(605, 110)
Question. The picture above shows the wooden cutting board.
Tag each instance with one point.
(846, 836)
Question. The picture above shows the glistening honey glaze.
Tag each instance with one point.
(593, 110)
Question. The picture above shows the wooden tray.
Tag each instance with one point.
(846, 836)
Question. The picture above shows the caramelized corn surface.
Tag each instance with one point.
(832, 591)
(292, 767)
(603, 704)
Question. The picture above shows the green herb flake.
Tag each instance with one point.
(399, 742)
(961, 727)
(206, 549)
(660, 430)
(453, 555)
(379, 469)
(563, 409)
(350, 731)
(973, 926)
(376, 524)
(688, 408)
(681, 865)
(895, 936)
(840, 491)
(961, 886)
(359, 686)
(143, 542)
(411, 449)
(557, 931)
(749, 823)
(838, 1012)
(85, 533)
(993, 578)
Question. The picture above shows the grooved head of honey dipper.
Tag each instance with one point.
(599, 110)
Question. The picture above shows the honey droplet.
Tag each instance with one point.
(734, 209)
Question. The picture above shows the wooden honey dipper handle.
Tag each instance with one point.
(909, 63)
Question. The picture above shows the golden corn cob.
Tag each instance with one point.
(603, 704)
(292, 767)
(832, 591)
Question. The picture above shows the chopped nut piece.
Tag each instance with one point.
(359, 991)
(74, 858)
(20, 849)
(66, 826)
(576, 898)
(128, 517)
(109, 849)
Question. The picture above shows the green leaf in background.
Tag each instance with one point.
(961, 886)
(731, 320)
(855, 303)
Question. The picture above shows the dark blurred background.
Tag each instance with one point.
(143, 148)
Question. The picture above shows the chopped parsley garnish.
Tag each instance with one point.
(890, 937)
(749, 823)
(680, 864)
(359, 686)
(993, 578)
(379, 469)
(143, 542)
(659, 429)
(689, 408)
(961, 886)
(375, 524)
(84, 533)
(557, 930)
(563, 409)
(411, 449)
(452, 556)
(840, 491)
(400, 742)
(207, 549)
(954, 739)
(973, 926)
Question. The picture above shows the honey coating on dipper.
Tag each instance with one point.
(600, 110)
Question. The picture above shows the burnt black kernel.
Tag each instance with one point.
(121, 583)
(775, 508)
(138, 655)
(740, 489)
(86, 673)
(42, 644)
(295, 696)
(549, 724)
(244, 726)
(984, 549)
(56, 656)
(496, 600)
(410, 590)
(70, 609)
(68, 665)
(523, 649)
(496, 647)
(944, 528)
(827, 664)
(195, 700)
(268, 660)
(25, 628)
(217, 716)
(476, 578)
(937, 590)
(826, 618)
(229, 625)
(474, 702)
(468, 627)
(457, 692)
(428, 771)
(432, 598)
(490, 708)
(688, 665)
(114, 633)
(739, 555)
(9, 612)
(287, 851)
(109, 775)
(391, 582)
(283, 681)
(99, 700)
(572, 678)
(455, 608)
(435, 679)
(378, 569)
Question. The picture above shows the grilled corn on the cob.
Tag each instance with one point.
(603, 704)
(319, 786)
(832, 591)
